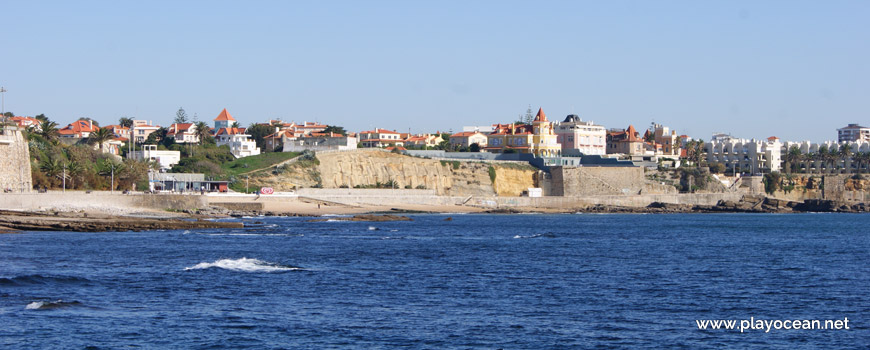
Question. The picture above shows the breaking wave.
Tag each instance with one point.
(244, 265)
(538, 235)
(47, 305)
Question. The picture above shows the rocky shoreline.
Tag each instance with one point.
(12, 221)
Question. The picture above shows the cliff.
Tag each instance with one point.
(14, 161)
(375, 168)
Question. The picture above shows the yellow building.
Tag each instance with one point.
(538, 139)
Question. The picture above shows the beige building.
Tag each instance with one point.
(538, 139)
(577, 136)
(468, 138)
(380, 138)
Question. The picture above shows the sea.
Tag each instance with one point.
(456, 281)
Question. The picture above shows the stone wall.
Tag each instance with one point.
(103, 200)
(14, 161)
(592, 181)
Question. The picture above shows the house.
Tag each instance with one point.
(240, 143)
(120, 132)
(625, 141)
(223, 120)
(321, 142)
(668, 140)
(581, 137)
(279, 139)
(25, 122)
(141, 129)
(78, 129)
(468, 138)
(423, 140)
(538, 138)
(183, 133)
(166, 159)
(380, 138)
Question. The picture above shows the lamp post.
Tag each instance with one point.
(2, 100)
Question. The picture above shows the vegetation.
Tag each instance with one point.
(772, 182)
(335, 129)
(82, 166)
(492, 174)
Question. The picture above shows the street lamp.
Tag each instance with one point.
(2, 100)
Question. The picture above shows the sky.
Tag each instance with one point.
(793, 69)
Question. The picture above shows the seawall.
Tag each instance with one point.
(77, 200)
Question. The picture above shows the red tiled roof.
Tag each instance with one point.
(224, 116)
(541, 117)
(230, 131)
(465, 134)
(379, 131)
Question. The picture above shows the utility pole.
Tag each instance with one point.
(2, 100)
(64, 178)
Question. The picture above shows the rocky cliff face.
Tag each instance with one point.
(14, 161)
(373, 167)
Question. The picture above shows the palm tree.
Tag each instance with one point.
(100, 136)
(791, 157)
(49, 131)
(202, 132)
(51, 168)
(845, 154)
(73, 170)
(125, 122)
(235, 125)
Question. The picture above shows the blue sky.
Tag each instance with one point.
(794, 69)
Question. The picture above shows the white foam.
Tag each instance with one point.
(36, 305)
(243, 264)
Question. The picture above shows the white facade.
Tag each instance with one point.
(166, 159)
(745, 156)
(840, 163)
(321, 143)
(578, 136)
(241, 145)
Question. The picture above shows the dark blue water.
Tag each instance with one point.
(478, 281)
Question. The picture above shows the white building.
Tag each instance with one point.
(321, 142)
(240, 143)
(853, 132)
(578, 136)
(745, 156)
(166, 159)
(811, 162)
(380, 138)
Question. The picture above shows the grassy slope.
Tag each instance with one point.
(261, 161)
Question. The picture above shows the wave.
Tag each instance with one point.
(48, 305)
(538, 235)
(244, 265)
(40, 279)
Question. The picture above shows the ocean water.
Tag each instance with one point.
(476, 281)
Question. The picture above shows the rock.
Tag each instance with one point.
(366, 217)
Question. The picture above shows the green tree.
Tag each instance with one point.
(474, 147)
(125, 122)
(259, 132)
(791, 158)
(203, 132)
(50, 132)
(100, 136)
(335, 129)
(845, 154)
(8, 114)
(180, 116)
(157, 136)
(41, 117)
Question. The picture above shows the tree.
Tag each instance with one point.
(100, 136)
(97, 124)
(73, 171)
(180, 116)
(235, 125)
(845, 154)
(49, 131)
(791, 158)
(529, 117)
(8, 114)
(335, 129)
(41, 117)
(474, 147)
(203, 132)
(51, 168)
(108, 167)
(259, 132)
(125, 122)
(157, 136)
